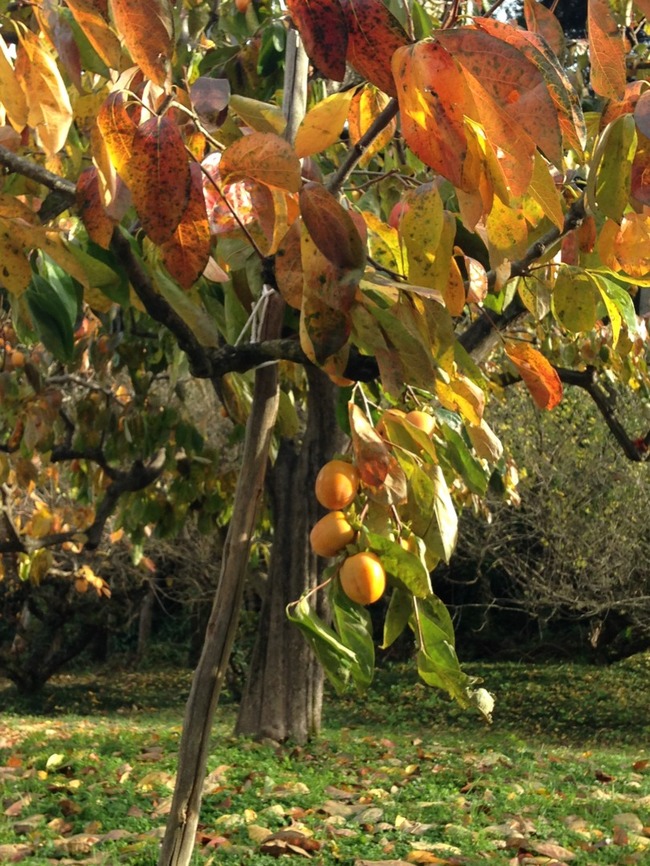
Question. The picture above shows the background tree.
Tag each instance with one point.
(518, 242)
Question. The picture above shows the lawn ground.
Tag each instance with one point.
(561, 777)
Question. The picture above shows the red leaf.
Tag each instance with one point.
(159, 177)
(147, 29)
(322, 26)
(91, 208)
(373, 35)
(539, 376)
(331, 227)
(433, 97)
(186, 253)
(378, 468)
(606, 51)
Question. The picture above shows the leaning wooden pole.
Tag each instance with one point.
(180, 833)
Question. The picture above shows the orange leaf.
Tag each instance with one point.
(373, 35)
(322, 26)
(331, 227)
(288, 267)
(186, 253)
(333, 286)
(91, 208)
(378, 468)
(539, 376)
(606, 51)
(91, 17)
(147, 30)
(541, 20)
(532, 105)
(264, 157)
(159, 177)
(433, 99)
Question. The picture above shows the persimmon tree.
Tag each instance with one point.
(444, 220)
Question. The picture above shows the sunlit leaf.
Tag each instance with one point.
(91, 18)
(366, 104)
(539, 376)
(433, 100)
(260, 116)
(545, 192)
(50, 111)
(147, 28)
(541, 20)
(12, 96)
(117, 131)
(615, 169)
(405, 568)
(606, 50)
(323, 124)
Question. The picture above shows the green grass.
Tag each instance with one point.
(400, 773)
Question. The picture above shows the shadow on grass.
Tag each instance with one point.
(561, 702)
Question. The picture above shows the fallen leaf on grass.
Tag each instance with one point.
(14, 810)
(550, 849)
(14, 853)
(289, 842)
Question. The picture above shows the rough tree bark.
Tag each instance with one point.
(283, 695)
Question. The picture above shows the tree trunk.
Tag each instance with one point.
(283, 695)
(178, 842)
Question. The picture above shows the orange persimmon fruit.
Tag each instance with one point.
(363, 578)
(331, 534)
(422, 420)
(337, 484)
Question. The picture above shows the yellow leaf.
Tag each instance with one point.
(260, 116)
(50, 112)
(546, 194)
(12, 96)
(323, 124)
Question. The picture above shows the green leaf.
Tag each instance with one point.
(337, 659)
(53, 311)
(103, 272)
(406, 569)
(464, 463)
(444, 511)
(613, 294)
(437, 661)
(354, 626)
(400, 608)
(575, 299)
(614, 173)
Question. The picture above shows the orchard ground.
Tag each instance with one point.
(562, 775)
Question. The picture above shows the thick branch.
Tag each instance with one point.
(139, 476)
(636, 450)
(21, 165)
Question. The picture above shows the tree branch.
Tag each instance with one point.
(482, 333)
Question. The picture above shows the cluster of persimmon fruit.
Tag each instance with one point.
(362, 575)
